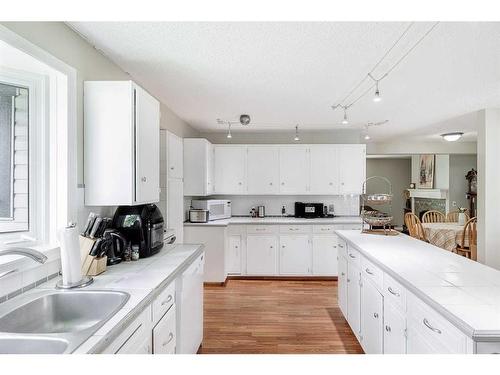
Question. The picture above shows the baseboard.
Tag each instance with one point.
(286, 278)
(222, 283)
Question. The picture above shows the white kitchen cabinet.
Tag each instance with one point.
(352, 161)
(261, 255)
(164, 333)
(372, 318)
(353, 297)
(294, 170)
(325, 168)
(175, 156)
(342, 285)
(230, 169)
(198, 167)
(175, 208)
(233, 255)
(324, 255)
(394, 329)
(295, 255)
(416, 344)
(263, 169)
(121, 128)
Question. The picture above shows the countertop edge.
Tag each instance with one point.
(338, 220)
(108, 338)
(457, 322)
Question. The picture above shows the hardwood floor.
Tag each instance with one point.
(275, 316)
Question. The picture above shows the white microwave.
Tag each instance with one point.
(217, 208)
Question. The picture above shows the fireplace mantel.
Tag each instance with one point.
(429, 193)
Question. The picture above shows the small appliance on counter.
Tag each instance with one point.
(199, 215)
(308, 210)
(217, 208)
(141, 225)
(261, 211)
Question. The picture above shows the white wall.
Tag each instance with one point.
(420, 147)
(441, 171)
(459, 166)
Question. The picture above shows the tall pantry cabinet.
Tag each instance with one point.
(121, 147)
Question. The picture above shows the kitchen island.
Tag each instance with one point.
(402, 295)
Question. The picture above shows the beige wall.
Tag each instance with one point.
(459, 166)
(62, 42)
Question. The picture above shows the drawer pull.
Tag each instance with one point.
(170, 338)
(325, 229)
(388, 329)
(348, 280)
(368, 271)
(343, 274)
(428, 325)
(375, 315)
(393, 292)
(341, 246)
(352, 256)
(168, 300)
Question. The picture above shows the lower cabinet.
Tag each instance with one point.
(394, 329)
(261, 255)
(372, 316)
(164, 335)
(295, 255)
(233, 255)
(342, 284)
(416, 344)
(324, 255)
(353, 298)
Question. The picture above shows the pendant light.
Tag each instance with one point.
(229, 136)
(345, 121)
(296, 133)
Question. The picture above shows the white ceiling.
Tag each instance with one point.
(284, 74)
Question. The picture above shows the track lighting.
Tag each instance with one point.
(452, 137)
(229, 136)
(296, 133)
(367, 137)
(377, 98)
(345, 121)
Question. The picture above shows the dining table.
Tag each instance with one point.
(445, 235)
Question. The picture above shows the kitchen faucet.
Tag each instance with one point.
(25, 251)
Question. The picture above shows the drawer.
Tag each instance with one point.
(434, 328)
(236, 230)
(352, 226)
(295, 229)
(394, 292)
(342, 246)
(163, 302)
(488, 347)
(372, 272)
(164, 335)
(262, 229)
(353, 256)
(325, 229)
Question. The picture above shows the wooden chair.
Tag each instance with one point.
(433, 217)
(452, 216)
(414, 226)
(470, 233)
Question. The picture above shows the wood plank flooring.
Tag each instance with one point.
(275, 316)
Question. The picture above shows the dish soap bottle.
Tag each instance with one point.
(283, 210)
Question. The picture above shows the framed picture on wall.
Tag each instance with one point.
(426, 172)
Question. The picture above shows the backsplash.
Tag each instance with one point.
(345, 205)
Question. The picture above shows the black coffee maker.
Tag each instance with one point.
(115, 245)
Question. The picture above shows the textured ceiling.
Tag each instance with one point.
(284, 74)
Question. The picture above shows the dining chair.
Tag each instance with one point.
(414, 226)
(452, 216)
(468, 248)
(433, 216)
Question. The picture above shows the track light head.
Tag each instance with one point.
(345, 121)
(377, 97)
(296, 139)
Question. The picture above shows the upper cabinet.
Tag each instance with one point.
(263, 169)
(325, 168)
(122, 150)
(294, 169)
(352, 162)
(175, 156)
(230, 171)
(198, 167)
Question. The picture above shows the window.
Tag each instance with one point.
(14, 161)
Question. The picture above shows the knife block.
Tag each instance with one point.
(91, 265)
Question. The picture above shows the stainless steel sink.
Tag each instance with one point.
(55, 320)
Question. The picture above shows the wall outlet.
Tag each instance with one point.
(454, 204)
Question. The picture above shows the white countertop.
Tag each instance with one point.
(467, 293)
(143, 280)
(240, 220)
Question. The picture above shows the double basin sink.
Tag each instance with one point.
(53, 322)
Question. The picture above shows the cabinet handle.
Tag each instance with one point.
(144, 179)
(375, 315)
(283, 246)
(368, 271)
(282, 183)
(428, 325)
(325, 229)
(348, 280)
(271, 183)
(239, 183)
(331, 183)
(352, 256)
(236, 247)
(170, 338)
(393, 292)
(341, 246)
(172, 168)
(388, 329)
(343, 274)
(271, 247)
(168, 300)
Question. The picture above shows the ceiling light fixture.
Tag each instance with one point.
(377, 97)
(229, 136)
(452, 137)
(296, 133)
(345, 121)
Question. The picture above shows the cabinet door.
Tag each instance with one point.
(394, 330)
(372, 323)
(342, 285)
(175, 207)
(147, 147)
(353, 298)
(294, 170)
(230, 169)
(352, 160)
(416, 344)
(164, 335)
(295, 255)
(261, 255)
(263, 170)
(234, 255)
(174, 156)
(324, 169)
(325, 253)
(210, 168)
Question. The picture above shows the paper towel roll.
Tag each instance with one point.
(70, 255)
